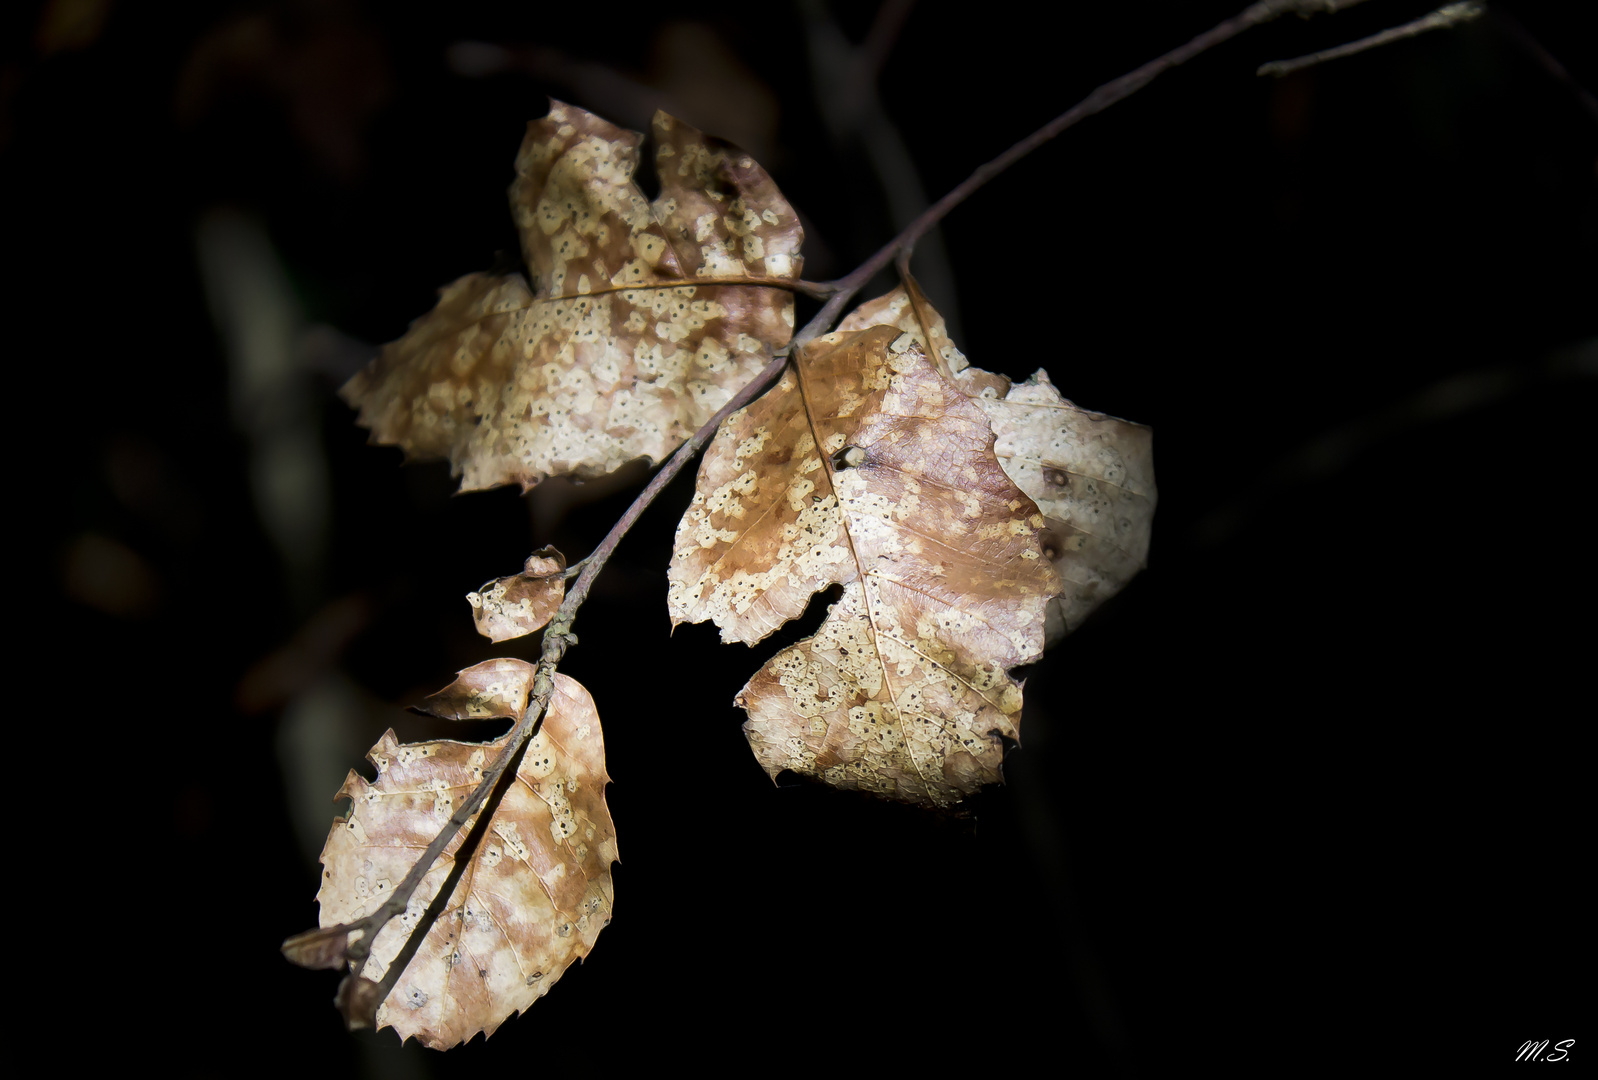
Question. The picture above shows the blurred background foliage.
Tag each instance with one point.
(1308, 785)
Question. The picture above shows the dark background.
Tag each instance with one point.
(1306, 790)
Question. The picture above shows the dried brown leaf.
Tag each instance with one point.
(326, 948)
(647, 317)
(1091, 474)
(510, 607)
(357, 1001)
(867, 467)
(905, 308)
(538, 888)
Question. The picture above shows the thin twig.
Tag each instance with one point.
(558, 636)
(1100, 99)
(880, 40)
(400, 899)
(851, 106)
(596, 559)
(508, 762)
(1549, 62)
(1444, 17)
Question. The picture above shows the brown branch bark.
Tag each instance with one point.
(1100, 99)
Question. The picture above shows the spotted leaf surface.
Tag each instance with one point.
(1091, 474)
(867, 467)
(538, 888)
(511, 607)
(646, 317)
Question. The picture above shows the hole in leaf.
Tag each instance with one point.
(849, 457)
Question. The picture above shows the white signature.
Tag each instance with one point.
(1535, 1051)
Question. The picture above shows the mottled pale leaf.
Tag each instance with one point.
(865, 466)
(538, 888)
(646, 317)
(1091, 474)
(510, 607)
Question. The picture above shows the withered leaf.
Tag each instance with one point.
(867, 467)
(510, 607)
(538, 888)
(646, 318)
(357, 1001)
(1091, 474)
(316, 949)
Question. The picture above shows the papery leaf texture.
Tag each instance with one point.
(643, 319)
(1091, 474)
(512, 607)
(868, 467)
(538, 888)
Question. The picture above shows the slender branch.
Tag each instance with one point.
(1100, 99)
(1548, 61)
(360, 997)
(329, 946)
(505, 766)
(880, 40)
(596, 559)
(359, 1000)
(1444, 17)
(845, 80)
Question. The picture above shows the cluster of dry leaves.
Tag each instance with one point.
(969, 521)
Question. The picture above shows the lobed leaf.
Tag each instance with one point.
(866, 466)
(537, 890)
(646, 319)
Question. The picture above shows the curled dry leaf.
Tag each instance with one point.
(326, 948)
(1091, 474)
(646, 318)
(538, 888)
(510, 607)
(357, 1001)
(867, 467)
